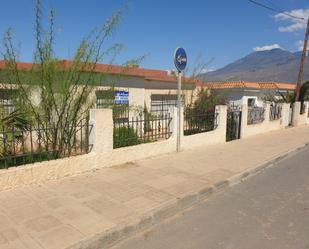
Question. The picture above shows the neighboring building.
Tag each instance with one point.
(248, 93)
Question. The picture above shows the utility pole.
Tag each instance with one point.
(302, 63)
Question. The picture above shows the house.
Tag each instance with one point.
(248, 93)
(132, 86)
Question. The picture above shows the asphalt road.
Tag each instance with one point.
(267, 211)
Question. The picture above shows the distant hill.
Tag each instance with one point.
(272, 65)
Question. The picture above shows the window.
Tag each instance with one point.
(6, 103)
(104, 98)
(161, 103)
(251, 102)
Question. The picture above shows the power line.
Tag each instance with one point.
(273, 4)
(276, 10)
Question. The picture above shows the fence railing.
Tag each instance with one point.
(159, 113)
(36, 143)
(256, 115)
(275, 112)
(143, 129)
(233, 124)
(195, 123)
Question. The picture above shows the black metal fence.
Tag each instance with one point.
(233, 124)
(275, 112)
(143, 129)
(195, 123)
(256, 115)
(121, 113)
(35, 144)
(159, 113)
(303, 108)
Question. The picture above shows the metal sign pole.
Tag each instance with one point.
(180, 60)
(179, 110)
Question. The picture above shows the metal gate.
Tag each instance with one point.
(233, 125)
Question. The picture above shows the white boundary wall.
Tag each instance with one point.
(103, 154)
(265, 126)
(207, 138)
(297, 118)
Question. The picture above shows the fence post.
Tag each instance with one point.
(296, 113)
(222, 121)
(244, 121)
(307, 112)
(173, 127)
(267, 113)
(101, 136)
(285, 112)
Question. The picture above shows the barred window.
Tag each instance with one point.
(160, 103)
(6, 102)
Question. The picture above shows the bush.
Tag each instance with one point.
(125, 136)
(200, 116)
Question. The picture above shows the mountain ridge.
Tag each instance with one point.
(276, 65)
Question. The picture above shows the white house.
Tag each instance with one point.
(248, 93)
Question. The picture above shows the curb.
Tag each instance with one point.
(110, 237)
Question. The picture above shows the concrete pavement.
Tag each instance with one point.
(269, 211)
(97, 209)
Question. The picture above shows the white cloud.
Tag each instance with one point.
(266, 48)
(207, 70)
(300, 45)
(294, 24)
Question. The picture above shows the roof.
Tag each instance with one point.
(248, 85)
(148, 74)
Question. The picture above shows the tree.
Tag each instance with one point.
(287, 97)
(199, 67)
(53, 93)
(206, 101)
(201, 116)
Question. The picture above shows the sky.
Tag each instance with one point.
(215, 32)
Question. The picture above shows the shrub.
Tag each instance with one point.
(125, 136)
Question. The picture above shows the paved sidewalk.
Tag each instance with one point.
(62, 213)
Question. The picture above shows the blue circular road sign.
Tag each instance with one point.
(180, 59)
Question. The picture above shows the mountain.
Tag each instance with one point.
(271, 65)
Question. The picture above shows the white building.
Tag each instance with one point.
(248, 93)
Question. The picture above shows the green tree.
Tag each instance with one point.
(206, 102)
(63, 91)
(200, 116)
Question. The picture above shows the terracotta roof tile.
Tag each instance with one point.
(148, 74)
(245, 84)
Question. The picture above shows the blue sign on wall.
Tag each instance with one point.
(180, 59)
(121, 97)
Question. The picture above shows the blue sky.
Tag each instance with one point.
(224, 30)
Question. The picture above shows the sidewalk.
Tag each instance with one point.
(99, 208)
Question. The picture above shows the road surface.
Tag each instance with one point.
(267, 211)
